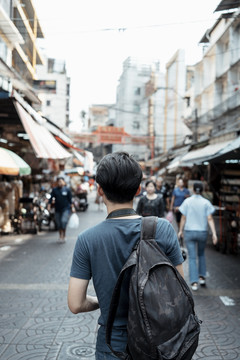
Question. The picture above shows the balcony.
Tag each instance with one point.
(230, 104)
(8, 29)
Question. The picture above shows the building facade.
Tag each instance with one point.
(53, 88)
(19, 29)
(133, 111)
(217, 78)
(175, 129)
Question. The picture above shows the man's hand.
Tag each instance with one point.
(180, 234)
(214, 239)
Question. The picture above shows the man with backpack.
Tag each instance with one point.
(101, 252)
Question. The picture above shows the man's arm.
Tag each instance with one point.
(180, 269)
(78, 300)
(213, 229)
(50, 200)
(171, 204)
(181, 226)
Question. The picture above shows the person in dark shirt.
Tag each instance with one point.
(151, 204)
(162, 189)
(179, 194)
(63, 205)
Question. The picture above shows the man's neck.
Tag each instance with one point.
(116, 206)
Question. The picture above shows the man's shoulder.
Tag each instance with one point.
(93, 229)
(189, 200)
(163, 224)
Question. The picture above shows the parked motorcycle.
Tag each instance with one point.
(26, 217)
(80, 202)
(45, 217)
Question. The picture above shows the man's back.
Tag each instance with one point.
(101, 252)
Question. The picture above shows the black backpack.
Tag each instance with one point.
(161, 320)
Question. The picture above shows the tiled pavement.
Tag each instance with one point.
(35, 322)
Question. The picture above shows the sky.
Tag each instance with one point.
(94, 37)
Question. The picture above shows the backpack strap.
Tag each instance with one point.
(149, 226)
(114, 306)
(148, 231)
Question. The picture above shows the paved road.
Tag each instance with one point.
(35, 322)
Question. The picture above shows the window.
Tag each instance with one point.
(138, 91)
(188, 100)
(68, 90)
(136, 107)
(48, 103)
(136, 124)
(67, 105)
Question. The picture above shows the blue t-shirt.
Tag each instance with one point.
(100, 253)
(180, 196)
(196, 209)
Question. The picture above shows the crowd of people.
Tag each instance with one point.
(192, 214)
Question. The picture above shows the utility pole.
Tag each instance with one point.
(151, 126)
(195, 134)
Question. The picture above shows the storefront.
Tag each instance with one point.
(217, 165)
(22, 131)
(225, 177)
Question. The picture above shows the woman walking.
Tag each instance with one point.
(196, 216)
(151, 204)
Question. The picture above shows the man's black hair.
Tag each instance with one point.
(198, 187)
(119, 175)
(151, 182)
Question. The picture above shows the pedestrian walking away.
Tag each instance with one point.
(62, 197)
(179, 194)
(101, 251)
(196, 215)
(151, 204)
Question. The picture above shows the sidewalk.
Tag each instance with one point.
(35, 322)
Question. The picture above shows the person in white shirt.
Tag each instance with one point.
(196, 216)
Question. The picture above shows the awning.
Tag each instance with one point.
(204, 154)
(79, 157)
(229, 152)
(12, 164)
(43, 142)
(174, 164)
(157, 160)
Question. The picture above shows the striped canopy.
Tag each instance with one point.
(12, 164)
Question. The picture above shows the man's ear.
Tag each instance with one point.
(100, 190)
(138, 191)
